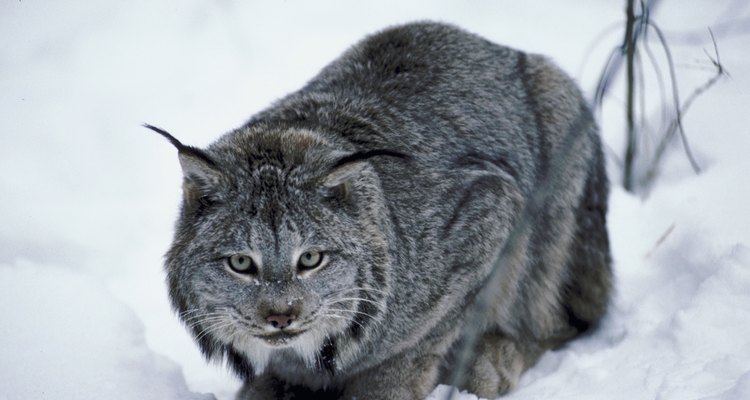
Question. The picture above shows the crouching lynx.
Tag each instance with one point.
(334, 246)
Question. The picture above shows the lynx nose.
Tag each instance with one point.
(280, 321)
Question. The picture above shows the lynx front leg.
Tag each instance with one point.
(498, 364)
(401, 378)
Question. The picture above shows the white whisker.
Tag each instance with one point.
(359, 289)
(214, 328)
(373, 320)
(206, 321)
(344, 318)
(200, 316)
(341, 299)
(351, 311)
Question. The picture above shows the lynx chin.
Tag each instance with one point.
(333, 246)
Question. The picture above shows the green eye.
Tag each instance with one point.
(309, 260)
(242, 264)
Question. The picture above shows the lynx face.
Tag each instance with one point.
(278, 248)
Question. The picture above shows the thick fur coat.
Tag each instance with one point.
(335, 244)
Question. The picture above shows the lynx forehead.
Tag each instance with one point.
(332, 246)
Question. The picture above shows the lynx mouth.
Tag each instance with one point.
(280, 338)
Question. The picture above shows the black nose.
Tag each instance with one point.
(280, 321)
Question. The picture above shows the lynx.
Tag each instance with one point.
(335, 245)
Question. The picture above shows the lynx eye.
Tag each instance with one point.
(309, 260)
(242, 264)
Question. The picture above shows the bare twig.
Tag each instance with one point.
(661, 240)
(638, 25)
(675, 97)
(737, 26)
(600, 37)
(673, 127)
(631, 143)
(657, 71)
(608, 72)
(615, 60)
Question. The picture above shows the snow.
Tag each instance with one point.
(65, 336)
(89, 197)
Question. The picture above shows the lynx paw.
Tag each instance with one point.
(497, 366)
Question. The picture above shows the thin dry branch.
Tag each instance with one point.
(611, 66)
(661, 240)
(675, 96)
(674, 126)
(638, 26)
(631, 141)
(659, 76)
(640, 80)
(615, 60)
(737, 26)
(600, 37)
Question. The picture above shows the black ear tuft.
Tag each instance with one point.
(176, 143)
(181, 148)
(201, 173)
(337, 182)
(366, 155)
(350, 165)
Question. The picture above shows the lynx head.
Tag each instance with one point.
(280, 249)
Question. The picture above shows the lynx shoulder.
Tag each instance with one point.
(334, 245)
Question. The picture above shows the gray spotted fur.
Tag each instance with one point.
(407, 162)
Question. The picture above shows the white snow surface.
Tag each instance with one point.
(89, 197)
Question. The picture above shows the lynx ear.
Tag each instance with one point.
(337, 182)
(202, 175)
